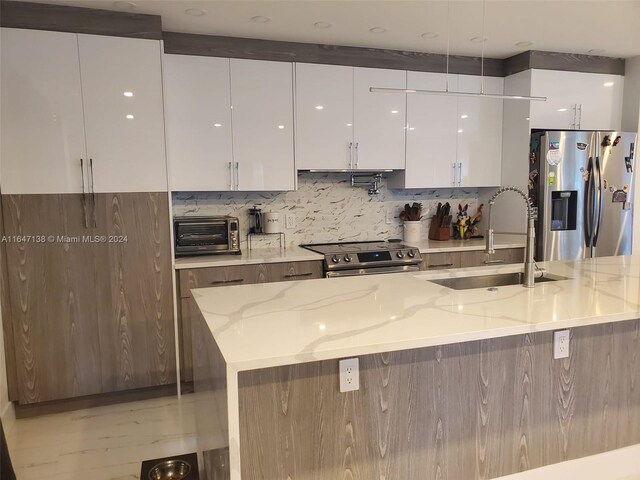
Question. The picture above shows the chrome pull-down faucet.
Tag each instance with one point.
(529, 264)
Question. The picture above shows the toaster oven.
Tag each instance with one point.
(206, 235)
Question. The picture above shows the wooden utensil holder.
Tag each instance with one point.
(438, 233)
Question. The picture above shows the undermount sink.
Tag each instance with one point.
(491, 281)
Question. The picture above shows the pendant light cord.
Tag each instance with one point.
(484, 12)
(448, 40)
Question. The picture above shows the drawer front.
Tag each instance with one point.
(286, 272)
(246, 275)
(439, 261)
(503, 256)
(220, 277)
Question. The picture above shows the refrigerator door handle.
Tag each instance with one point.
(597, 219)
(588, 205)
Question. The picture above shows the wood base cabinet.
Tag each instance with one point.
(88, 292)
(226, 276)
(471, 258)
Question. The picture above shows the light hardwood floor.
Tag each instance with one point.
(103, 443)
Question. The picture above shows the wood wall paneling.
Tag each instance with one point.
(571, 62)
(5, 318)
(475, 410)
(135, 306)
(249, 48)
(62, 18)
(53, 298)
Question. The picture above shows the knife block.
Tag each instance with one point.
(438, 233)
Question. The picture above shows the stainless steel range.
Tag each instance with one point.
(366, 258)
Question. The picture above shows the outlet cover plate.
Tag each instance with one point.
(561, 344)
(349, 375)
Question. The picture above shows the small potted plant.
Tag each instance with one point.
(411, 216)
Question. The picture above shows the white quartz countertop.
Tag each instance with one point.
(266, 325)
(248, 257)
(299, 254)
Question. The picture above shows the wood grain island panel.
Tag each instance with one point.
(474, 410)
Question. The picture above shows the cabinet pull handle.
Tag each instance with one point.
(440, 265)
(493, 262)
(222, 282)
(350, 154)
(454, 179)
(237, 175)
(294, 275)
(230, 177)
(93, 194)
(357, 155)
(459, 173)
(84, 195)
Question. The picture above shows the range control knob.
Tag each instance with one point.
(411, 254)
(400, 254)
(335, 259)
(347, 258)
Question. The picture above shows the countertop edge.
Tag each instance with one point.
(431, 342)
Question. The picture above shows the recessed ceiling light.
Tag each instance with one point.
(260, 19)
(349, 124)
(319, 107)
(608, 84)
(394, 111)
(460, 130)
(478, 39)
(128, 94)
(596, 51)
(430, 35)
(524, 43)
(464, 115)
(124, 5)
(411, 128)
(281, 127)
(527, 119)
(129, 117)
(323, 25)
(562, 109)
(217, 124)
(195, 12)
(377, 30)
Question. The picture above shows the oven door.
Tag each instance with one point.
(205, 235)
(371, 271)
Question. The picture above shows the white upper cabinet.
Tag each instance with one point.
(324, 117)
(452, 141)
(577, 101)
(42, 120)
(431, 132)
(479, 133)
(262, 103)
(379, 119)
(124, 114)
(197, 92)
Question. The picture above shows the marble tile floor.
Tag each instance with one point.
(102, 443)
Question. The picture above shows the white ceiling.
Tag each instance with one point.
(609, 28)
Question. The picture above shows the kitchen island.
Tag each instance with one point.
(457, 384)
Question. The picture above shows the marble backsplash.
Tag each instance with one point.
(327, 209)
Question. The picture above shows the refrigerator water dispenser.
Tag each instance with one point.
(564, 208)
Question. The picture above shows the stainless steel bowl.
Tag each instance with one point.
(170, 470)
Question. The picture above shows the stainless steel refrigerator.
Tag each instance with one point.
(582, 183)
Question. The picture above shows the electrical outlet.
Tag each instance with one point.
(561, 344)
(290, 220)
(388, 219)
(349, 375)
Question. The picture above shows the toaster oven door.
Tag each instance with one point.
(210, 236)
